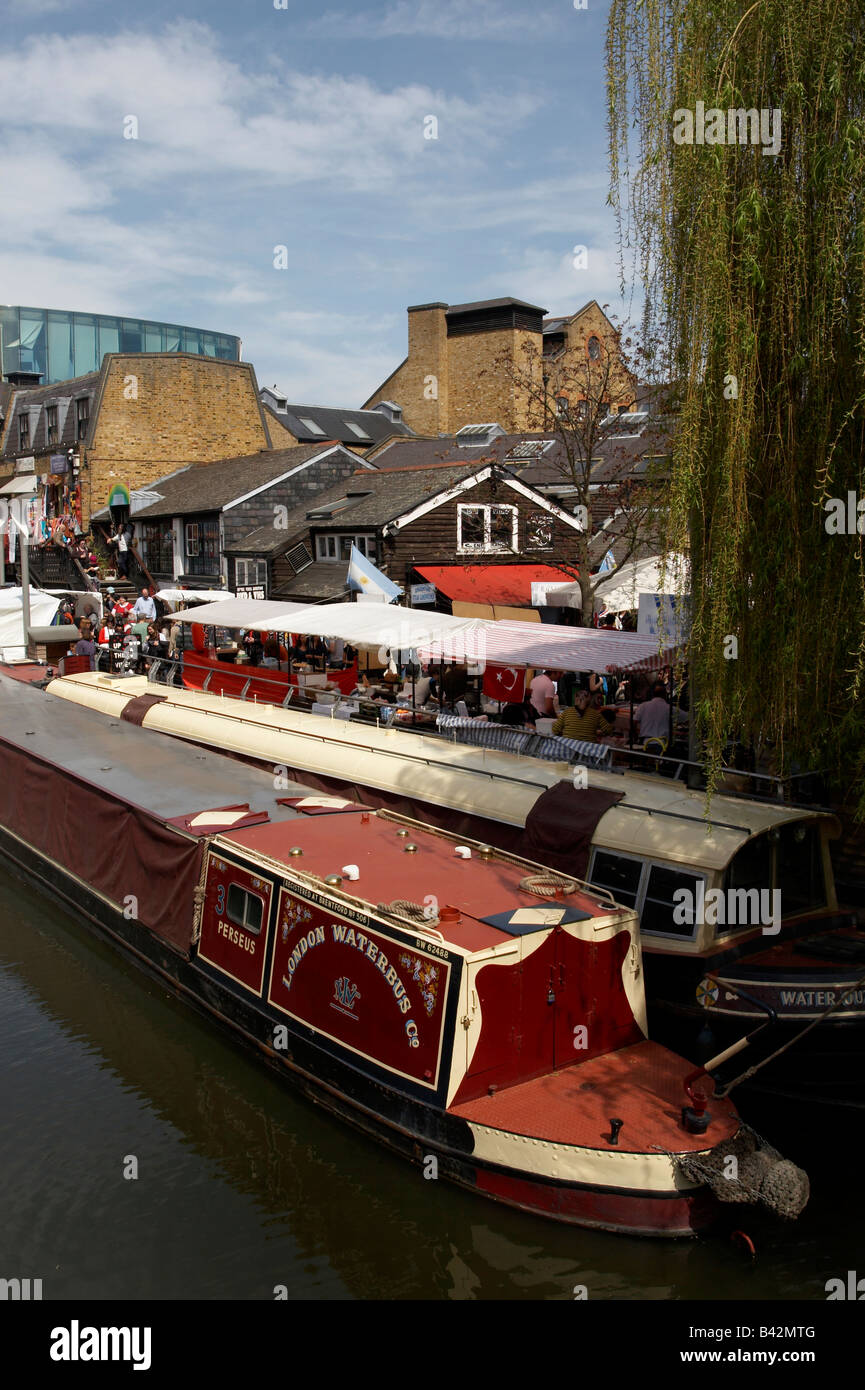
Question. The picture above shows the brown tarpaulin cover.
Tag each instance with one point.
(560, 825)
(106, 841)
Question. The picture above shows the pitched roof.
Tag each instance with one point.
(323, 579)
(367, 499)
(208, 487)
(372, 426)
(621, 450)
(34, 400)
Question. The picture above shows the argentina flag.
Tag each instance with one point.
(363, 576)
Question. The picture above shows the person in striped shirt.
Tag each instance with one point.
(582, 721)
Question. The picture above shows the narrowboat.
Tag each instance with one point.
(793, 960)
(477, 1013)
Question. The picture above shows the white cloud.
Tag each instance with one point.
(438, 19)
(201, 115)
(550, 280)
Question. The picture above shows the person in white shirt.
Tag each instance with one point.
(542, 694)
(653, 716)
(144, 607)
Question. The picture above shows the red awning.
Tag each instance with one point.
(502, 584)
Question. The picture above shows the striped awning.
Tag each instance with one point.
(669, 656)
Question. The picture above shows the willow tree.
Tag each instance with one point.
(738, 176)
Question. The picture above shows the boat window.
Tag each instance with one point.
(662, 914)
(244, 909)
(620, 876)
(800, 868)
(750, 867)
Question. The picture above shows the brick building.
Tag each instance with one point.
(454, 372)
(484, 530)
(139, 417)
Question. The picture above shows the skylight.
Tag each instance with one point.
(530, 449)
(356, 429)
(310, 424)
(474, 431)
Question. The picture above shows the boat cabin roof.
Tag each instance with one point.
(401, 861)
(200, 793)
(164, 777)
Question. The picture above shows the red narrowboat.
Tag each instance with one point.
(478, 1014)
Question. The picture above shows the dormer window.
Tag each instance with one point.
(51, 423)
(23, 430)
(82, 408)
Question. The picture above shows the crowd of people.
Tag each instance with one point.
(126, 634)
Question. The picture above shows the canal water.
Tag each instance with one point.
(242, 1187)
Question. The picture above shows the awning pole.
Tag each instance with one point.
(631, 720)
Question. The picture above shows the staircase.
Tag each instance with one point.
(123, 588)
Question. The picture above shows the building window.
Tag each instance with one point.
(157, 548)
(202, 547)
(82, 408)
(23, 430)
(487, 529)
(51, 422)
(593, 347)
(561, 406)
(339, 547)
(250, 578)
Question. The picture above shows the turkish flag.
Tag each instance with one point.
(506, 683)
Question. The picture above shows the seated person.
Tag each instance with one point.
(86, 646)
(274, 651)
(653, 716)
(582, 721)
(517, 714)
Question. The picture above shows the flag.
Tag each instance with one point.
(608, 564)
(506, 683)
(363, 576)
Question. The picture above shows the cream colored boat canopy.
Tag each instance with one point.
(658, 819)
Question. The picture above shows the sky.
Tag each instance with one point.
(305, 127)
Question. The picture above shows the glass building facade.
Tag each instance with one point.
(60, 344)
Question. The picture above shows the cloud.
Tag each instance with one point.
(18, 9)
(550, 280)
(453, 20)
(200, 115)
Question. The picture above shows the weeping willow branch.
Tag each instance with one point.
(750, 253)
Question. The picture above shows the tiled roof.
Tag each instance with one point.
(35, 399)
(332, 423)
(208, 487)
(371, 499)
(323, 579)
(621, 451)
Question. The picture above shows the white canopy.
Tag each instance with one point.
(363, 625)
(552, 646)
(437, 636)
(193, 595)
(42, 609)
(621, 588)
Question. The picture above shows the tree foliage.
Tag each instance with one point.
(614, 490)
(753, 268)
